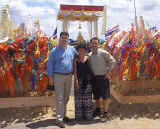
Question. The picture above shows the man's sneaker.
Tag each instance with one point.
(89, 121)
(104, 117)
(84, 121)
(67, 119)
(79, 120)
(60, 124)
(96, 112)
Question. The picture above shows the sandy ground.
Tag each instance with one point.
(128, 116)
(131, 116)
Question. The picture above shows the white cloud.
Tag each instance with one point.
(18, 7)
(149, 9)
(85, 2)
(118, 4)
(46, 15)
(75, 2)
(118, 11)
(18, 12)
(122, 12)
(42, 1)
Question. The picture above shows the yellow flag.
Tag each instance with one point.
(11, 30)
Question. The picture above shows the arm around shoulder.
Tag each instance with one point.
(50, 65)
(75, 72)
(109, 60)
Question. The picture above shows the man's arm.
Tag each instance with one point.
(75, 52)
(50, 67)
(75, 72)
(110, 62)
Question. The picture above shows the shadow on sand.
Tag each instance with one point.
(24, 115)
(44, 123)
(132, 110)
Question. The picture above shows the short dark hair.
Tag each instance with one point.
(81, 45)
(94, 38)
(64, 33)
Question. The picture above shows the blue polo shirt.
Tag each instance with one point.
(61, 60)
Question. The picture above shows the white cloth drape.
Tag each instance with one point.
(65, 26)
(90, 29)
(104, 21)
(4, 22)
(96, 27)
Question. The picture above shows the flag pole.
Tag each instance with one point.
(135, 12)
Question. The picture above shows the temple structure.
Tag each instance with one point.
(6, 25)
(4, 22)
(82, 13)
(80, 37)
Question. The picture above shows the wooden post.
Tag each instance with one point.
(27, 101)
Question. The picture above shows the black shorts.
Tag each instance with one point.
(101, 88)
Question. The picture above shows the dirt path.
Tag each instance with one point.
(133, 116)
(129, 116)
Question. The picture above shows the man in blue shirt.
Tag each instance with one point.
(60, 69)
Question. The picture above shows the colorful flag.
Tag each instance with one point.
(153, 28)
(54, 35)
(111, 31)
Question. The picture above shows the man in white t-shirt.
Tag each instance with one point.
(101, 63)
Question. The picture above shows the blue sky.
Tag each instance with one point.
(118, 12)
